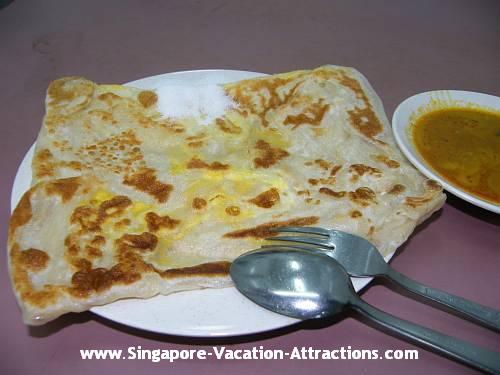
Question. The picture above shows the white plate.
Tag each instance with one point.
(201, 313)
(401, 129)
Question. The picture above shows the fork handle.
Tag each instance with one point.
(483, 314)
(483, 359)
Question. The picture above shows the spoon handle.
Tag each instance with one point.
(473, 355)
(483, 314)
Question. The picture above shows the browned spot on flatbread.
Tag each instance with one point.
(233, 210)
(147, 182)
(73, 164)
(362, 119)
(355, 214)
(114, 205)
(313, 181)
(323, 164)
(156, 222)
(199, 203)
(122, 224)
(87, 218)
(173, 127)
(147, 98)
(57, 92)
(332, 193)
(90, 218)
(325, 181)
(268, 155)
(43, 155)
(83, 282)
(108, 97)
(335, 169)
(267, 199)
(196, 141)
(389, 162)
(196, 137)
(313, 116)
(264, 230)
(325, 73)
(195, 144)
(433, 185)
(81, 264)
(365, 121)
(361, 169)
(362, 196)
(63, 145)
(22, 213)
(93, 252)
(227, 126)
(65, 187)
(433, 188)
(358, 170)
(267, 92)
(397, 189)
(242, 112)
(34, 259)
(68, 88)
(98, 240)
(415, 202)
(86, 282)
(196, 163)
(131, 266)
(212, 269)
(144, 241)
(102, 115)
(44, 163)
(22, 282)
(71, 242)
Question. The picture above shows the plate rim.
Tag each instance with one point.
(400, 125)
(281, 320)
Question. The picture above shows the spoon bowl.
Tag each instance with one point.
(295, 284)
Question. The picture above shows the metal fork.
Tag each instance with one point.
(361, 258)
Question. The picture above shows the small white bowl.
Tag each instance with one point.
(401, 121)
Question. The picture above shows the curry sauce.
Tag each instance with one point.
(463, 146)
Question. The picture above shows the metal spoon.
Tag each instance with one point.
(307, 285)
(360, 258)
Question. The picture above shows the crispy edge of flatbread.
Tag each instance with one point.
(40, 305)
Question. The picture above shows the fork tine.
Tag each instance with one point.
(297, 247)
(311, 230)
(307, 240)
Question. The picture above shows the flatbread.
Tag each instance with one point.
(126, 203)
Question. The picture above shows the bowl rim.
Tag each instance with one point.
(401, 124)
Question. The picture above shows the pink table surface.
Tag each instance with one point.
(402, 47)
